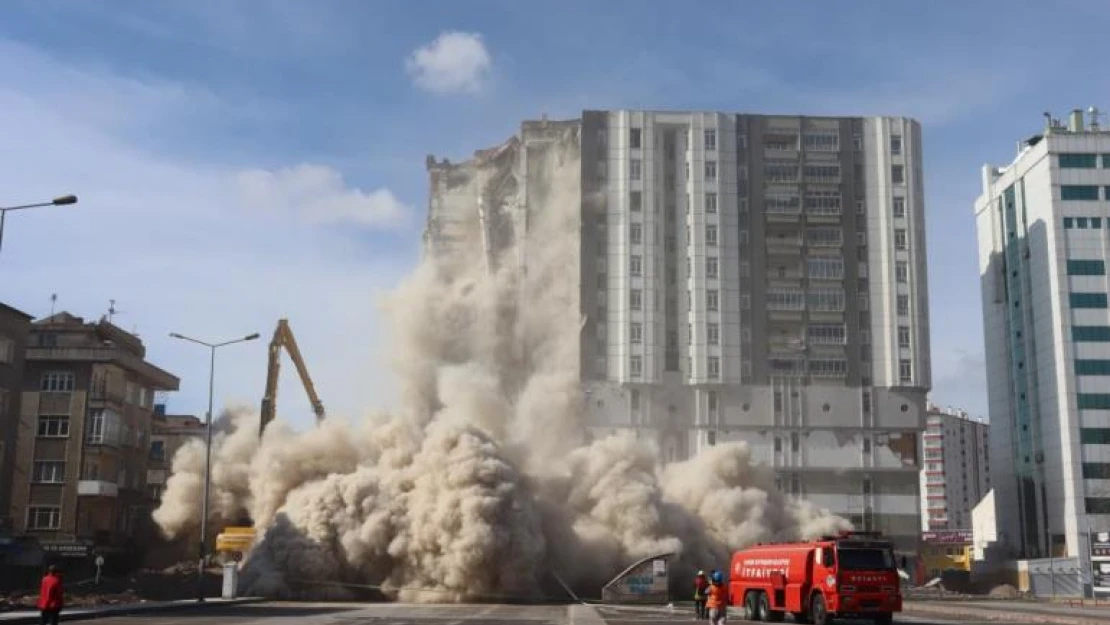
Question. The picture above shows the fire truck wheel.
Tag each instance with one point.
(751, 609)
(818, 613)
(765, 611)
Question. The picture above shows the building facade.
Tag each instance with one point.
(742, 277)
(955, 474)
(84, 432)
(15, 326)
(1043, 235)
(169, 433)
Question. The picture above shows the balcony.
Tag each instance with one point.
(97, 488)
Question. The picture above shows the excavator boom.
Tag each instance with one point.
(283, 338)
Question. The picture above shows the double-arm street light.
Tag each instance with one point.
(208, 449)
(58, 201)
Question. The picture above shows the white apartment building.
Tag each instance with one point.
(1044, 231)
(955, 474)
(743, 277)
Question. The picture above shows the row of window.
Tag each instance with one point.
(1082, 223)
(1087, 300)
(1077, 160)
(819, 141)
(1081, 192)
(784, 297)
(1086, 268)
(821, 202)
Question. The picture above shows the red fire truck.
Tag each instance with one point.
(852, 575)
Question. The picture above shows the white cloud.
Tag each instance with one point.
(454, 62)
(318, 194)
(170, 243)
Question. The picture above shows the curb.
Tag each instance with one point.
(85, 614)
(1006, 616)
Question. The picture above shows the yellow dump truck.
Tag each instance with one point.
(234, 542)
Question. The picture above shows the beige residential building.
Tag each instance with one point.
(84, 437)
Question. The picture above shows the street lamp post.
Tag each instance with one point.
(58, 201)
(208, 449)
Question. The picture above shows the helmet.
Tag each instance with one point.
(717, 577)
(701, 573)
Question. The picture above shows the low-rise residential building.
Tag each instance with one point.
(14, 328)
(84, 436)
(955, 474)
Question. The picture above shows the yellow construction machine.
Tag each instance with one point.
(235, 541)
(283, 337)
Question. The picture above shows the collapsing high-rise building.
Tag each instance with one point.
(742, 277)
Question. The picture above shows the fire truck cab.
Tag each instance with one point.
(852, 575)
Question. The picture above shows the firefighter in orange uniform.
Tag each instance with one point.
(716, 598)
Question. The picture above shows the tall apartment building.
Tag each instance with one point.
(742, 277)
(169, 433)
(1044, 226)
(15, 325)
(84, 432)
(956, 472)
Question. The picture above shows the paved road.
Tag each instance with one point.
(396, 614)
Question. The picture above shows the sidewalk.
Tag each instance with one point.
(78, 614)
(1012, 611)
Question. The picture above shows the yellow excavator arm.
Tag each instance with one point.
(283, 337)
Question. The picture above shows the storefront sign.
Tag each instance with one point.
(67, 550)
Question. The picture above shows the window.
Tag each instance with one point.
(53, 427)
(826, 299)
(1096, 222)
(1081, 223)
(861, 207)
(1069, 223)
(1095, 334)
(711, 267)
(901, 271)
(785, 299)
(712, 334)
(157, 450)
(1092, 367)
(781, 171)
(712, 300)
(1093, 401)
(900, 239)
(828, 173)
(903, 336)
(635, 299)
(636, 366)
(711, 202)
(1085, 161)
(826, 267)
(635, 201)
(903, 305)
(634, 138)
(96, 427)
(827, 334)
(49, 472)
(634, 169)
(857, 142)
(824, 237)
(57, 381)
(899, 207)
(636, 234)
(1087, 300)
(7, 349)
(636, 265)
(710, 140)
(821, 142)
(1078, 192)
(710, 170)
(905, 371)
(897, 174)
(782, 202)
(895, 144)
(1086, 268)
(44, 517)
(714, 367)
(711, 234)
(822, 201)
(636, 332)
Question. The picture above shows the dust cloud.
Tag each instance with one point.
(486, 482)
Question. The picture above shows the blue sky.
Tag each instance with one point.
(242, 161)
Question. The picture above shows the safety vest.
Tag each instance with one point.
(716, 597)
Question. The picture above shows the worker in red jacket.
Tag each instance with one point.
(50, 596)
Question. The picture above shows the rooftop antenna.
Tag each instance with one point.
(53, 303)
(111, 310)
